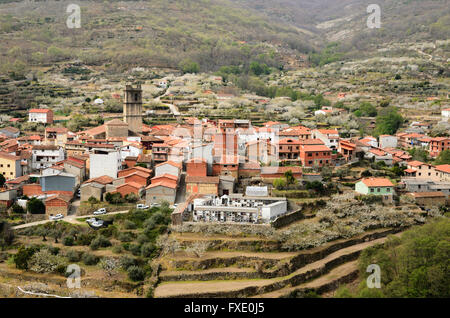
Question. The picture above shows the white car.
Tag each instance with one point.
(100, 211)
(90, 220)
(56, 217)
(141, 206)
(155, 205)
(98, 223)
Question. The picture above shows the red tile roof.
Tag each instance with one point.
(308, 148)
(40, 110)
(377, 182)
(443, 168)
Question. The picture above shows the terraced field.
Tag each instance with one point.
(246, 273)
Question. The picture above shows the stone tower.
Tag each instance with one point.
(132, 108)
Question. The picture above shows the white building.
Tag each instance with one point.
(388, 141)
(445, 114)
(44, 116)
(105, 162)
(237, 208)
(130, 150)
(329, 136)
(168, 167)
(44, 156)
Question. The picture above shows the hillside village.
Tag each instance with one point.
(188, 163)
(268, 151)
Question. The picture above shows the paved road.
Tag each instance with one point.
(70, 219)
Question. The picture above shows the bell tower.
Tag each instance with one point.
(132, 108)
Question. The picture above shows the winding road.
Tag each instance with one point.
(70, 219)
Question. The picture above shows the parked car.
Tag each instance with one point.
(90, 220)
(79, 193)
(98, 223)
(56, 217)
(155, 205)
(100, 211)
(141, 206)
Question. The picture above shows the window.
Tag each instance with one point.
(9, 166)
(388, 189)
(372, 190)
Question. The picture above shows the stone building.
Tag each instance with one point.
(116, 128)
(132, 108)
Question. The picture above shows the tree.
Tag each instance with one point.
(279, 183)
(443, 158)
(288, 175)
(388, 121)
(6, 235)
(136, 273)
(44, 261)
(110, 266)
(131, 197)
(23, 255)
(343, 172)
(114, 198)
(17, 209)
(35, 206)
(419, 154)
(413, 265)
(92, 200)
(259, 69)
(189, 66)
(366, 109)
(317, 186)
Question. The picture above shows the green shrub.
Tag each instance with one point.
(17, 209)
(125, 236)
(85, 238)
(126, 262)
(129, 225)
(117, 249)
(142, 238)
(136, 273)
(90, 259)
(23, 255)
(99, 241)
(148, 249)
(73, 256)
(68, 240)
(135, 249)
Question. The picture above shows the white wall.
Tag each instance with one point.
(37, 117)
(271, 211)
(167, 168)
(388, 142)
(104, 164)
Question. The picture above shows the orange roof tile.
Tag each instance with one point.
(443, 168)
(377, 182)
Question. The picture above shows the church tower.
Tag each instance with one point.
(132, 108)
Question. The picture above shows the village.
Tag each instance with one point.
(221, 170)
